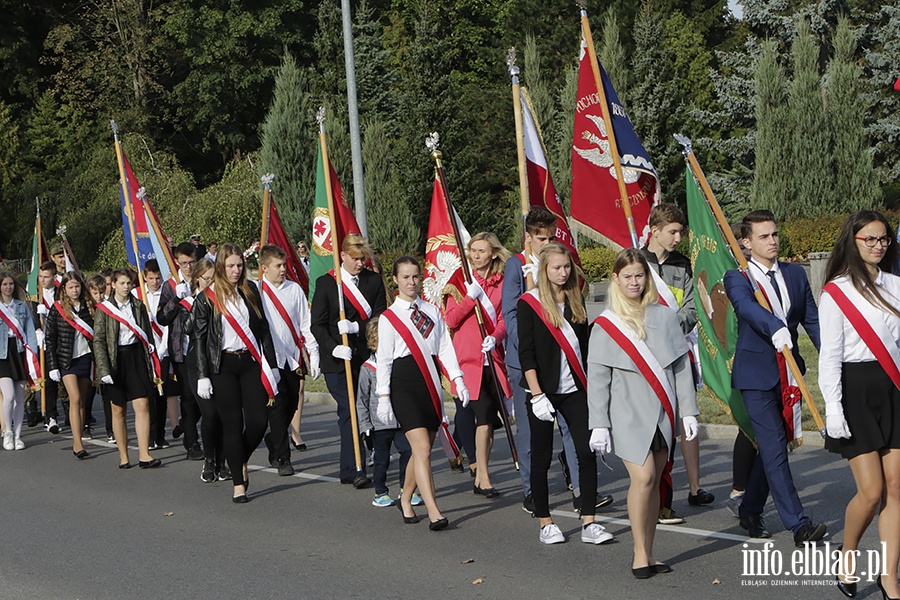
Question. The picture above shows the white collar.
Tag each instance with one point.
(775, 266)
(346, 275)
(403, 304)
(122, 305)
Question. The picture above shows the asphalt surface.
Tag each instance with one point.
(86, 530)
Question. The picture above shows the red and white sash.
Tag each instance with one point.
(564, 336)
(667, 298)
(109, 309)
(356, 298)
(867, 320)
(282, 312)
(187, 302)
(424, 360)
(31, 357)
(243, 331)
(76, 322)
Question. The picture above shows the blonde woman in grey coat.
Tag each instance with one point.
(634, 342)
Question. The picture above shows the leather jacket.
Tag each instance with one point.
(170, 313)
(59, 338)
(106, 339)
(206, 333)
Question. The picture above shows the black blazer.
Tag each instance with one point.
(59, 338)
(325, 315)
(538, 349)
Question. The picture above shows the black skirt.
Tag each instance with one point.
(410, 398)
(131, 379)
(872, 408)
(486, 406)
(13, 366)
(80, 367)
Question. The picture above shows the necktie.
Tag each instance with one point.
(355, 280)
(774, 281)
(421, 321)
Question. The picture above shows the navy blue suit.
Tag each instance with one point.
(755, 374)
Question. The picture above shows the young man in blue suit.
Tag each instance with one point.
(761, 336)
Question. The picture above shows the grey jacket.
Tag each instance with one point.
(621, 399)
(367, 400)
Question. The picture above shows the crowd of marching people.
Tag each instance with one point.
(224, 359)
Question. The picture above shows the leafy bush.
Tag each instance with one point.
(597, 262)
(800, 236)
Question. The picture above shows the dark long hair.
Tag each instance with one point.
(845, 259)
(64, 298)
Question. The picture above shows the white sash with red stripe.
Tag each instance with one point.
(355, 296)
(31, 357)
(243, 331)
(424, 359)
(869, 323)
(564, 336)
(76, 322)
(187, 302)
(109, 309)
(667, 298)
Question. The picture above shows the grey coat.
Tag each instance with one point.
(621, 399)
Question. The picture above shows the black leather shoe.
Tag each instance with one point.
(755, 525)
(809, 532)
(299, 447)
(361, 482)
(486, 492)
(285, 468)
(149, 464)
(528, 504)
(439, 524)
(700, 498)
(177, 431)
(884, 595)
(661, 568)
(643, 572)
(195, 452)
(125, 465)
(847, 589)
(81, 454)
(408, 520)
(242, 499)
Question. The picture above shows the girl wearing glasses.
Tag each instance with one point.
(859, 375)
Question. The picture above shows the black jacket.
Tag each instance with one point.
(206, 332)
(538, 349)
(106, 339)
(170, 313)
(59, 338)
(325, 315)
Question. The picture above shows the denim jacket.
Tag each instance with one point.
(26, 326)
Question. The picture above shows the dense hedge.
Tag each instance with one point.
(801, 236)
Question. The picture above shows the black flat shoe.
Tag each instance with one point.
(700, 498)
(149, 464)
(242, 499)
(81, 454)
(643, 572)
(299, 447)
(439, 524)
(125, 465)
(407, 520)
(847, 589)
(486, 492)
(661, 568)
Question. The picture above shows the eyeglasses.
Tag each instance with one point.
(186, 263)
(207, 278)
(872, 241)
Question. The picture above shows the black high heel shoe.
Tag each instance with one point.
(408, 520)
(439, 524)
(847, 589)
(884, 595)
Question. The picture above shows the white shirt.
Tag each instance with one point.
(160, 341)
(566, 380)
(230, 339)
(345, 276)
(841, 343)
(295, 304)
(126, 336)
(761, 271)
(49, 296)
(11, 309)
(391, 346)
(81, 345)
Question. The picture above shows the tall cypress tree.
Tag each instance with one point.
(289, 148)
(855, 184)
(810, 165)
(771, 179)
(611, 55)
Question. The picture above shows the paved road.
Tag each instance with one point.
(87, 530)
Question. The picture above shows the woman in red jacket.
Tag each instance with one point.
(487, 257)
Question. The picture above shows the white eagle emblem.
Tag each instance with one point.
(601, 156)
(437, 275)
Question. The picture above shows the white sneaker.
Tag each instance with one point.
(20, 445)
(595, 534)
(52, 426)
(8, 441)
(550, 534)
(733, 502)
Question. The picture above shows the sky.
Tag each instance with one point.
(735, 8)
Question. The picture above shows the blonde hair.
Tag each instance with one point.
(569, 288)
(356, 246)
(631, 312)
(500, 253)
(224, 288)
(372, 333)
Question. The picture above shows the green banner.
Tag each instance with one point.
(710, 259)
(320, 255)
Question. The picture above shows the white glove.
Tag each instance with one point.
(342, 353)
(782, 338)
(42, 310)
(314, 369)
(107, 379)
(462, 392)
(182, 290)
(530, 269)
(689, 428)
(541, 407)
(55, 376)
(488, 345)
(204, 388)
(346, 327)
(39, 334)
(836, 427)
(600, 440)
(384, 412)
(474, 290)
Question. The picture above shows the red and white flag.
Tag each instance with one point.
(443, 264)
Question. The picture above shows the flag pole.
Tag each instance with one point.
(520, 152)
(432, 143)
(607, 118)
(335, 251)
(40, 298)
(170, 260)
(735, 248)
(264, 235)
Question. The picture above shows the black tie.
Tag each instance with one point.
(771, 275)
(355, 280)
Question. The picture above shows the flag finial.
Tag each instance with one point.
(61, 230)
(142, 191)
(685, 141)
(582, 4)
(320, 119)
(433, 142)
(115, 128)
(267, 179)
(511, 62)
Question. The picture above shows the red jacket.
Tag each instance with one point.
(463, 325)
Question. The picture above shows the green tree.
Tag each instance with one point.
(612, 55)
(771, 178)
(885, 126)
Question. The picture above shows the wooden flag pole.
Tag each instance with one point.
(735, 247)
(335, 251)
(40, 298)
(437, 156)
(267, 190)
(520, 152)
(607, 118)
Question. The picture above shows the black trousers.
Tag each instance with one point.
(51, 395)
(159, 404)
(464, 429)
(190, 410)
(280, 415)
(574, 410)
(210, 426)
(240, 400)
(744, 455)
(337, 387)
